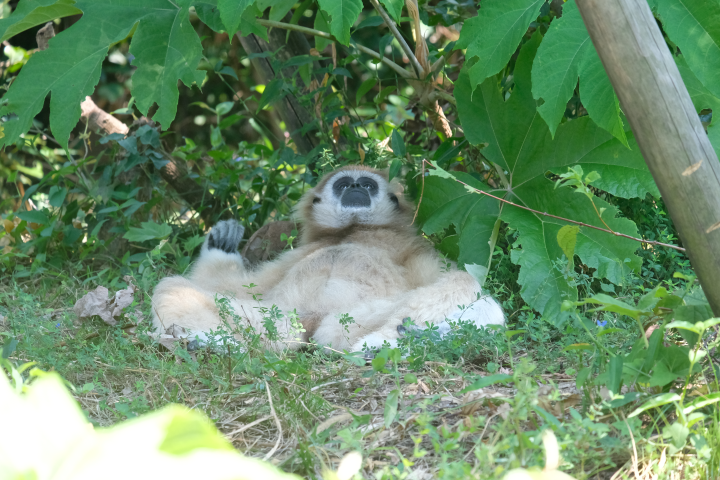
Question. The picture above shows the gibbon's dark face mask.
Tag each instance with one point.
(355, 193)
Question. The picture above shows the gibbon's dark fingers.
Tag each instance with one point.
(226, 236)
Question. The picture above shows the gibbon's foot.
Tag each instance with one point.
(226, 236)
(483, 312)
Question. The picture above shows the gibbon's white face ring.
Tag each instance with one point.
(354, 197)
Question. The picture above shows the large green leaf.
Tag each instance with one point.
(30, 13)
(565, 54)
(343, 14)
(518, 140)
(694, 25)
(166, 49)
(165, 46)
(493, 36)
(231, 12)
(174, 442)
(702, 99)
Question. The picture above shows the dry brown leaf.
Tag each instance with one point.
(2, 320)
(504, 410)
(361, 152)
(98, 303)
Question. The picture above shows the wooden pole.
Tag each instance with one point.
(666, 127)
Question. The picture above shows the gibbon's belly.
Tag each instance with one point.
(333, 279)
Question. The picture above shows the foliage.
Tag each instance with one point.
(529, 117)
(173, 441)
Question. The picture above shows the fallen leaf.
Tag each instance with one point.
(98, 303)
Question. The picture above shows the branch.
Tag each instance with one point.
(398, 36)
(649, 242)
(318, 33)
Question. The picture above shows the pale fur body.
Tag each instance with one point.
(367, 262)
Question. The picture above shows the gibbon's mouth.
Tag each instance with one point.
(355, 197)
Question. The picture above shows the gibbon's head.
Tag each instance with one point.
(354, 195)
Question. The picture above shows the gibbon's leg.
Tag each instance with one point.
(219, 272)
(454, 295)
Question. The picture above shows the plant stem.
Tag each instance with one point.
(311, 31)
(398, 36)
(592, 337)
(617, 234)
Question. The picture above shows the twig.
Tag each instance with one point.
(330, 383)
(318, 33)
(436, 95)
(422, 191)
(277, 423)
(398, 36)
(617, 234)
(246, 426)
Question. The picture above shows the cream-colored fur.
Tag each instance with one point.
(364, 261)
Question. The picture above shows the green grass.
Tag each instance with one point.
(326, 404)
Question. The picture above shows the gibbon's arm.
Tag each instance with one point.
(220, 267)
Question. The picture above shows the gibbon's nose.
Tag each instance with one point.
(355, 196)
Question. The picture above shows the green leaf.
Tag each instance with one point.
(487, 381)
(701, 402)
(34, 216)
(57, 196)
(410, 378)
(394, 8)
(174, 442)
(611, 304)
(272, 93)
(615, 368)
(322, 25)
(654, 402)
(398, 144)
(364, 88)
(582, 377)
(493, 36)
(395, 167)
(31, 13)
(149, 231)
(567, 239)
(165, 45)
(518, 140)
(231, 13)
(209, 13)
(478, 272)
(343, 15)
(166, 50)
(565, 54)
(391, 407)
(694, 25)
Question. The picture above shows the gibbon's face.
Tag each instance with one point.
(355, 197)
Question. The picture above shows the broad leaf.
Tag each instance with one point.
(565, 54)
(231, 12)
(149, 231)
(702, 99)
(173, 442)
(31, 13)
(343, 14)
(394, 8)
(694, 25)
(518, 140)
(166, 48)
(493, 36)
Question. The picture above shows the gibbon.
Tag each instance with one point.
(357, 255)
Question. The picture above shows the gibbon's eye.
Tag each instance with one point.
(341, 184)
(316, 200)
(368, 184)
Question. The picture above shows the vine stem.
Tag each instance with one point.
(398, 36)
(318, 33)
(617, 234)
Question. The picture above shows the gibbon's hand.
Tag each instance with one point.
(225, 236)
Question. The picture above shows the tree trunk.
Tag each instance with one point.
(666, 126)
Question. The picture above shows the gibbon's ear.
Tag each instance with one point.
(316, 200)
(394, 199)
